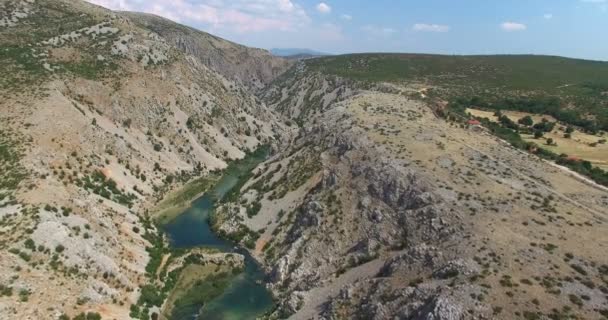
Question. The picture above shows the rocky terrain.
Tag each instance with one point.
(380, 209)
(100, 118)
(250, 67)
(371, 206)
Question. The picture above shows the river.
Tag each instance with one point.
(246, 297)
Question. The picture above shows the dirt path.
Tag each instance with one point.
(162, 264)
(578, 176)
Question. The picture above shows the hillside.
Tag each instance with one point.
(513, 72)
(253, 67)
(380, 209)
(100, 118)
(580, 86)
(297, 53)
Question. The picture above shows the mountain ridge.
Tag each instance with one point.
(255, 67)
(289, 52)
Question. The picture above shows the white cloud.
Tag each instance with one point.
(548, 16)
(513, 26)
(431, 27)
(346, 17)
(286, 5)
(377, 31)
(323, 8)
(113, 4)
(239, 16)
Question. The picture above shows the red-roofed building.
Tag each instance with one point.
(473, 122)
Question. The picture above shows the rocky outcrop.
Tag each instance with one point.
(252, 67)
(365, 207)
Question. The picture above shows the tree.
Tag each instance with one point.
(508, 123)
(567, 135)
(569, 129)
(526, 121)
(538, 134)
(550, 141)
(150, 296)
(587, 165)
(93, 316)
(545, 125)
(88, 316)
(29, 243)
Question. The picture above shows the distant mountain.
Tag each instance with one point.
(297, 52)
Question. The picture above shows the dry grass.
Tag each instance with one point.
(579, 145)
(510, 233)
(513, 115)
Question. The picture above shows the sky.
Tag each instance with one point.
(572, 28)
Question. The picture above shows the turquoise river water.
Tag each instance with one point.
(246, 297)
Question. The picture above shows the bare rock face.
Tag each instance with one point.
(412, 260)
(252, 67)
(308, 217)
(457, 267)
(442, 309)
(280, 270)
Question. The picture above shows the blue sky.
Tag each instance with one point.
(573, 28)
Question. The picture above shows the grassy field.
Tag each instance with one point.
(569, 88)
(578, 145)
(513, 115)
(177, 201)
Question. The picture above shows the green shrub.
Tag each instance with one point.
(150, 296)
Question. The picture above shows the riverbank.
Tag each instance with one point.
(203, 274)
(177, 201)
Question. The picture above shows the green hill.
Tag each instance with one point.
(573, 90)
